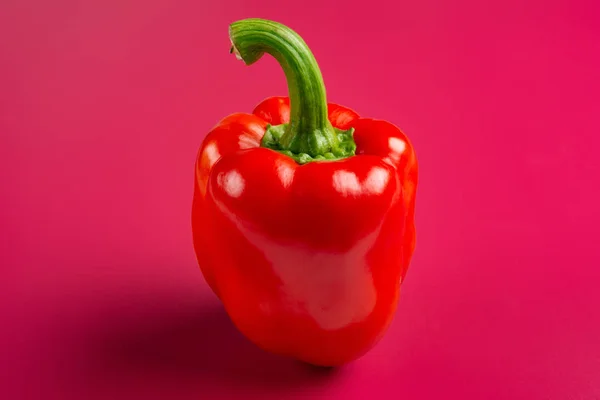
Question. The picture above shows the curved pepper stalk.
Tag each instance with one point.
(303, 212)
(309, 135)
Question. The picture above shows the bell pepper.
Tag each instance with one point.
(303, 212)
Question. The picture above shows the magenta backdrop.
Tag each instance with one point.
(103, 106)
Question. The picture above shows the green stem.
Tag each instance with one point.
(309, 131)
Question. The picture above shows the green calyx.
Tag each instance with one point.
(345, 145)
(309, 136)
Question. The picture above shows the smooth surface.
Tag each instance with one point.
(103, 106)
(306, 259)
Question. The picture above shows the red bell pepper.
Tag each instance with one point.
(303, 212)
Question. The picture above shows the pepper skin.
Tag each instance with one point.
(303, 212)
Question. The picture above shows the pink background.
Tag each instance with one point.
(104, 104)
